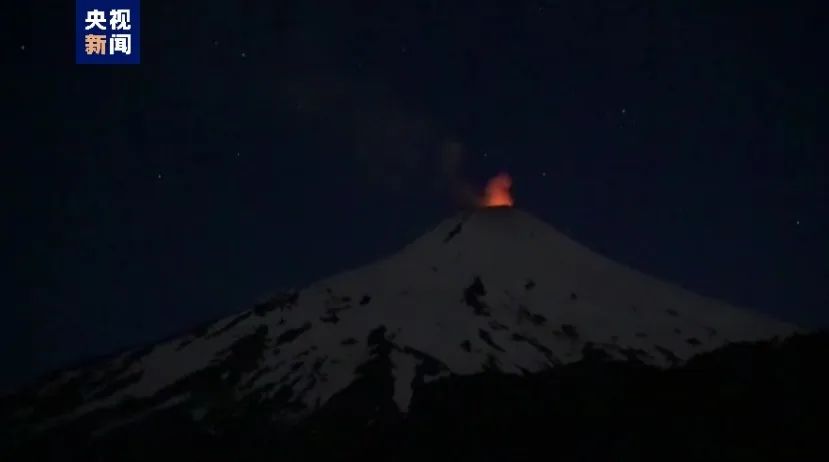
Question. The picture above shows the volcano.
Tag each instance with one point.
(491, 291)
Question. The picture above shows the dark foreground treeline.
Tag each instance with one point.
(761, 401)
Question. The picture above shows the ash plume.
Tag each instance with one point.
(396, 147)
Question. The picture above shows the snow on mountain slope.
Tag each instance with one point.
(494, 288)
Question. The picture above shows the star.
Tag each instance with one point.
(237, 153)
(244, 55)
(22, 47)
(624, 111)
(797, 222)
(158, 176)
(543, 173)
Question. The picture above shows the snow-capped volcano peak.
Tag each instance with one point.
(495, 288)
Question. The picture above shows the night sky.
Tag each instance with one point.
(261, 145)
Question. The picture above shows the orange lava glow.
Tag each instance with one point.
(497, 192)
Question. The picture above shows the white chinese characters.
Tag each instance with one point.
(95, 18)
(119, 20)
(120, 43)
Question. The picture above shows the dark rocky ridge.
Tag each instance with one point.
(747, 401)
